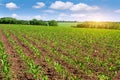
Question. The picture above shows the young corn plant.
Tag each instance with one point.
(5, 64)
(59, 68)
(32, 68)
(35, 50)
(103, 77)
(44, 77)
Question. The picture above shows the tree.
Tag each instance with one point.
(38, 22)
(8, 20)
(24, 22)
(41, 22)
(52, 23)
(34, 22)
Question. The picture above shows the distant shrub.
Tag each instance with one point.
(24, 22)
(9, 20)
(38, 22)
(101, 25)
(52, 23)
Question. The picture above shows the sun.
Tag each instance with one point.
(98, 18)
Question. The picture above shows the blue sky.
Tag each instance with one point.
(73, 10)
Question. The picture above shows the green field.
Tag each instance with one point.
(68, 24)
(58, 53)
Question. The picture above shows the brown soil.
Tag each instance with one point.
(117, 77)
(50, 72)
(1, 76)
(17, 66)
(68, 67)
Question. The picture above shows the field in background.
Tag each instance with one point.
(68, 24)
(99, 25)
(59, 53)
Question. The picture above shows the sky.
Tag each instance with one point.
(67, 10)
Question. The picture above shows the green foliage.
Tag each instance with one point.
(24, 22)
(100, 25)
(33, 69)
(58, 67)
(38, 22)
(103, 77)
(44, 77)
(5, 64)
(90, 51)
(52, 23)
(8, 20)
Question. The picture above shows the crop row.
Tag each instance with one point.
(91, 53)
(89, 43)
(33, 68)
(58, 67)
(4, 61)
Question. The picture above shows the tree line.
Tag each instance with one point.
(100, 25)
(9, 20)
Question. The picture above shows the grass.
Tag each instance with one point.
(67, 24)
(89, 52)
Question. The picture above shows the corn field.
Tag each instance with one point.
(58, 53)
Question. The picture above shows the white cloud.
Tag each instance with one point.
(95, 16)
(49, 11)
(14, 16)
(83, 7)
(71, 17)
(78, 15)
(39, 17)
(39, 5)
(21, 17)
(59, 5)
(63, 15)
(27, 17)
(11, 6)
(117, 11)
(24, 17)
